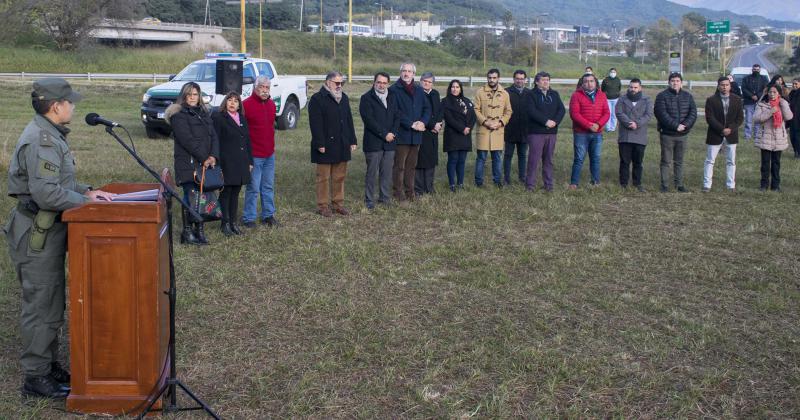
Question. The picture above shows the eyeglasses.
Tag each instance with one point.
(337, 83)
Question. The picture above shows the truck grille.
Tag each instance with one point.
(160, 102)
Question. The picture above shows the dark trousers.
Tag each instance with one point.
(405, 165)
(379, 164)
(771, 165)
(542, 148)
(522, 161)
(794, 135)
(630, 154)
(423, 181)
(456, 161)
(672, 148)
(229, 202)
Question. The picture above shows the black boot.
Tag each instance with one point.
(44, 386)
(187, 235)
(200, 234)
(226, 228)
(235, 229)
(59, 374)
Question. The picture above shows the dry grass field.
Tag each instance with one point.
(486, 303)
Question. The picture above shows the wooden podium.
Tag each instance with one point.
(118, 306)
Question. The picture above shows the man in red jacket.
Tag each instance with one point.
(259, 111)
(588, 108)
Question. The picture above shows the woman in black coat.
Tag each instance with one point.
(459, 118)
(428, 156)
(196, 145)
(235, 156)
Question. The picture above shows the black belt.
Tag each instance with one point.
(26, 211)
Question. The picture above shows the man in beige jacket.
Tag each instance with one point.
(493, 109)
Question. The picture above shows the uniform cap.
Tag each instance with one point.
(54, 88)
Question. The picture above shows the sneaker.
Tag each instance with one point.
(452, 188)
(572, 187)
(640, 188)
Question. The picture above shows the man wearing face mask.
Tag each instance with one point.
(41, 177)
(415, 112)
(676, 114)
(612, 87)
(634, 112)
(753, 86)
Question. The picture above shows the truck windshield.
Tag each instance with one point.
(198, 72)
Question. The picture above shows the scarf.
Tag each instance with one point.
(591, 94)
(337, 96)
(634, 97)
(235, 116)
(409, 87)
(382, 97)
(777, 117)
(458, 103)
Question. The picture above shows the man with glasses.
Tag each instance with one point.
(517, 130)
(493, 109)
(333, 139)
(415, 112)
(41, 176)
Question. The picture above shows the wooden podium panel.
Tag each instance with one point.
(118, 306)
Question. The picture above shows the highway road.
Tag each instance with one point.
(755, 54)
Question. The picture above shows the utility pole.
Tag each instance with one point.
(300, 27)
(484, 50)
(350, 46)
(242, 27)
(260, 31)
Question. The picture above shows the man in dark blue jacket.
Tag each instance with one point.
(676, 114)
(415, 112)
(378, 109)
(753, 86)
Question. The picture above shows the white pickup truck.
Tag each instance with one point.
(288, 92)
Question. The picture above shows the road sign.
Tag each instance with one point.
(718, 27)
(675, 62)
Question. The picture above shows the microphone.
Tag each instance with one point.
(94, 119)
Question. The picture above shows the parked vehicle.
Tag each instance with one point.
(288, 92)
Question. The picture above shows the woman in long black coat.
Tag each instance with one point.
(459, 118)
(428, 156)
(235, 156)
(196, 144)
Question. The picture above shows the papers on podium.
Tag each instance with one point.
(145, 195)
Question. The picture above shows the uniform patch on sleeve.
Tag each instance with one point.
(48, 169)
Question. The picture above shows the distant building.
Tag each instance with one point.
(398, 28)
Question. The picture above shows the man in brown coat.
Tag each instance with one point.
(493, 109)
(724, 114)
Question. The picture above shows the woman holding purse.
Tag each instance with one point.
(196, 147)
(235, 156)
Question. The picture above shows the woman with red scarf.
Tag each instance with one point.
(771, 113)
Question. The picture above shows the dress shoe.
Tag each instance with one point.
(250, 225)
(664, 189)
(325, 211)
(235, 229)
(44, 386)
(682, 189)
(640, 188)
(59, 374)
(270, 221)
(225, 227)
(341, 210)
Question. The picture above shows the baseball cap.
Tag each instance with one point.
(54, 88)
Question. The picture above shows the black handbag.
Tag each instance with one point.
(209, 179)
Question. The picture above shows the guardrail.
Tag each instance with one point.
(469, 80)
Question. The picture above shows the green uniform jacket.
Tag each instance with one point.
(42, 169)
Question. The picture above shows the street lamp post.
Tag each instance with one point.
(536, 43)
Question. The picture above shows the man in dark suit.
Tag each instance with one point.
(378, 110)
(516, 133)
(724, 114)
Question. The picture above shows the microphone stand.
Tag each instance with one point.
(172, 381)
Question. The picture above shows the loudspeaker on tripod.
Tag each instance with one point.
(229, 76)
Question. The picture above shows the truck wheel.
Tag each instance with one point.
(288, 121)
(152, 133)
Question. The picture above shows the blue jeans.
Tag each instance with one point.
(593, 143)
(456, 161)
(496, 166)
(262, 181)
(611, 125)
